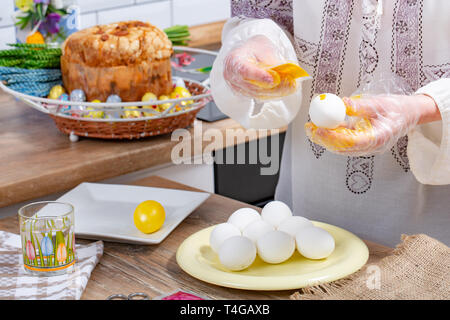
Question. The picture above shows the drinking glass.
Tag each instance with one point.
(48, 237)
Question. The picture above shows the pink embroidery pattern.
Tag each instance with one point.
(399, 151)
(334, 34)
(407, 41)
(333, 45)
(360, 169)
(368, 54)
(279, 11)
(306, 52)
(359, 174)
(432, 73)
(406, 57)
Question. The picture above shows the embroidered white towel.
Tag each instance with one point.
(15, 283)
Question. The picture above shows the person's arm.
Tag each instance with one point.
(430, 109)
(243, 40)
(430, 160)
(377, 122)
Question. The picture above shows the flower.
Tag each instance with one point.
(51, 23)
(35, 38)
(46, 246)
(24, 5)
(31, 254)
(61, 253)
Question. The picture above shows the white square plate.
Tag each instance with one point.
(105, 211)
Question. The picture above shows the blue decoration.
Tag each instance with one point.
(35, 82)
(114, 98)
(46, 246)
(78, 95)
(64, 97)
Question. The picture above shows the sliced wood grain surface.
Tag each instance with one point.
(153, 269)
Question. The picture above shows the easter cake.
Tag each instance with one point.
(126, 59)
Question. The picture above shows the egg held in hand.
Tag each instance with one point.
(257, 229)
(294, 224)
(275, 246)
(275, 212)
(149, 216)
(327, 110)
(237, 253)
(314, 243)
(221, 233)
(244, 216)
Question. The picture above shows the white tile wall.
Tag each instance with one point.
(162, 13)
(158, 13)
(192, 12)
(7, 35)
(7, 8)
(96, 5)
(88, 19)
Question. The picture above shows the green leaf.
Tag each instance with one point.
(40, 252)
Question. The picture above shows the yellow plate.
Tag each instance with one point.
(196, 257)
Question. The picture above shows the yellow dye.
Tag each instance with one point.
(283, 76)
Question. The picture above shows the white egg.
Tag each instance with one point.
(275, 246)
(314, 243)
(237, 253)
(327, 110)
(292, 225)
(257, 229)
(221, 233)
(275, 212)
(242, 217)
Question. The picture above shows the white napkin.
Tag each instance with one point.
(15, 283)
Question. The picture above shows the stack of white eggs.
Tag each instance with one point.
(273, 235)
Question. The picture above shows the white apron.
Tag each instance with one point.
(343, 43)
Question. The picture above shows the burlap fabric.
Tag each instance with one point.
(417, 269)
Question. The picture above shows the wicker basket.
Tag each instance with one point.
(125, 128)
(134, 128)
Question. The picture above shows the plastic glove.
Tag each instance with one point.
(248, 70)
(374, 125)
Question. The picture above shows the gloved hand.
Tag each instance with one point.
(375, 123)
(247, 70)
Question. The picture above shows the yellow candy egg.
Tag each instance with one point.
(164, 106)
(94, 114)
(56, 92)
(131, 114)
(150, 97)
(180, 92)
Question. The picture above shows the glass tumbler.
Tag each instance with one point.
(48, 237)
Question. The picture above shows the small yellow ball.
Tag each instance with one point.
(94, 114)
(149, 216)
(56, 92)
(164, 106)
(131, 114)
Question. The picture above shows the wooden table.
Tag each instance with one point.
(153, 269)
